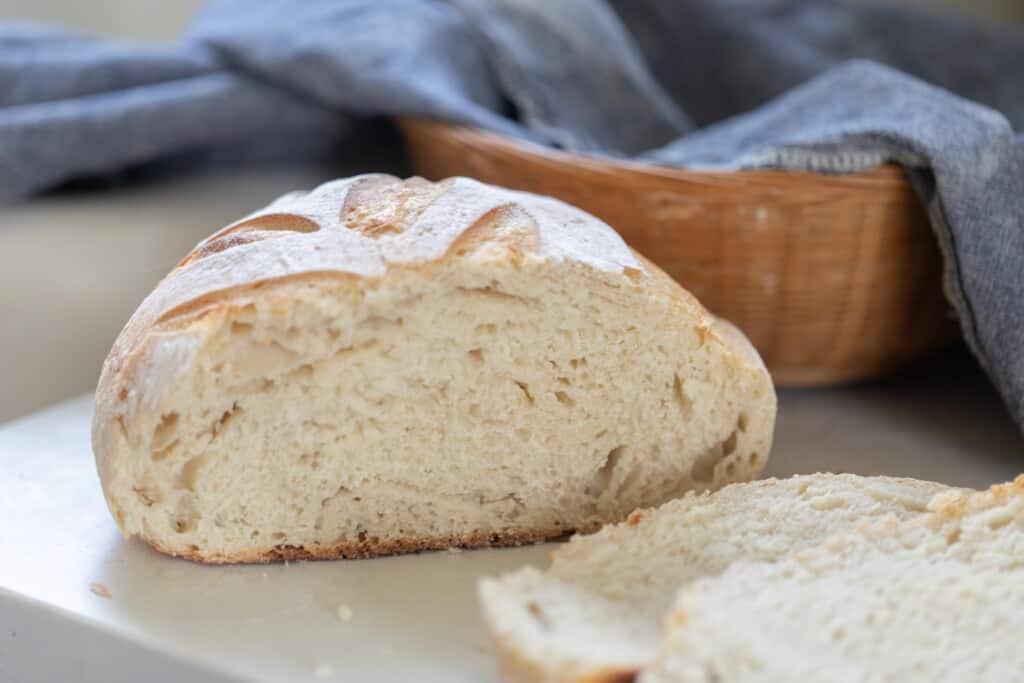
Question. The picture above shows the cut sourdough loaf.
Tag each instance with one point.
(382, 366)
(935, 599)
(596, 614)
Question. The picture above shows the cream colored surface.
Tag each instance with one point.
(379, 366)
(597, 613)
(933, 599)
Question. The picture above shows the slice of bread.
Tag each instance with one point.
(935, 599)
(596, 614)
(383, 366)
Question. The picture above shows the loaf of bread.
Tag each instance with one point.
(381, 366)
(596, 614)
(936, 599)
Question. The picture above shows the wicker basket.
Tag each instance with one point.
(833, 278)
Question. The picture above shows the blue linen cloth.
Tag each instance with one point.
(794, 84)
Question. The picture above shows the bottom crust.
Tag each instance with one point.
(516, 668)
(374, 547)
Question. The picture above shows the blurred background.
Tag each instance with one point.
(157, 20)
(73, 266)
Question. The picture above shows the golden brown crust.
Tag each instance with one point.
(380, 205)
(246, 232)
(711, 326)
(507, 227)
(515, 668)
(956, 503)
(611, 675)
(665, 286)
(374, 547)
(224, 301)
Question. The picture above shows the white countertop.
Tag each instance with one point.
(414, 617)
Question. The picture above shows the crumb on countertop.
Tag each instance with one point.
(344, 613)
(454, 550)
(100, 589)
